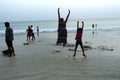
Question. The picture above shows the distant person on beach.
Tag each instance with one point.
(93, 28)
(9, 39)
(62, 31)
(95, 25)
(29, 33)
(78, 38)
(37, 30)
(33, 34)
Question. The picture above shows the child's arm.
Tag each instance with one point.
(82, 25)
(77, 24)
(67, 16)
(58, 14)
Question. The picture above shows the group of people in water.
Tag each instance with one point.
(62, 34)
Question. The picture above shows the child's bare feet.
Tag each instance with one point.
(84, 55)
(74, 55)
(14, 54)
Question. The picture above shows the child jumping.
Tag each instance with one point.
(78, 38)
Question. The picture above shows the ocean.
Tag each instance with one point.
(52, 26)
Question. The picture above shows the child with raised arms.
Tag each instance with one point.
(78, 39)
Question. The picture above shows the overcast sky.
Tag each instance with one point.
(25, 10)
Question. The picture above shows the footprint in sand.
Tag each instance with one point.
(39, 41)
(71, 49)
(26, 43)
(86, 47)
(105, 48)
(70, 45)
(55, 52)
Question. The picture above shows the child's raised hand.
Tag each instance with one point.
(69, 10)
(58, 8)
(82, 21)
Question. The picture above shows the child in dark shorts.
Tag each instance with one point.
(79, 39)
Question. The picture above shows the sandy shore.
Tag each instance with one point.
(43, 60)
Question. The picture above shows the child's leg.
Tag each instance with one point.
(34, 36)
(82, 49)
(76, 45)
(64, 44)
(12, 49)
(27, 37)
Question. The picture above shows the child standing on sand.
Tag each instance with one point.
(78, 38)
(37, 30)
(29, 33)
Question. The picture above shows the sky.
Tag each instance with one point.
(32, 10)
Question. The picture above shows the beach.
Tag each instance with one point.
(42, 59)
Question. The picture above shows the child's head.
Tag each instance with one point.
(61, 20)
(79, 29)
(29, 27)
(7, 24)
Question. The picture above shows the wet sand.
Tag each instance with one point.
(43, 60)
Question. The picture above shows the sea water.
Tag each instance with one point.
(52, 26)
